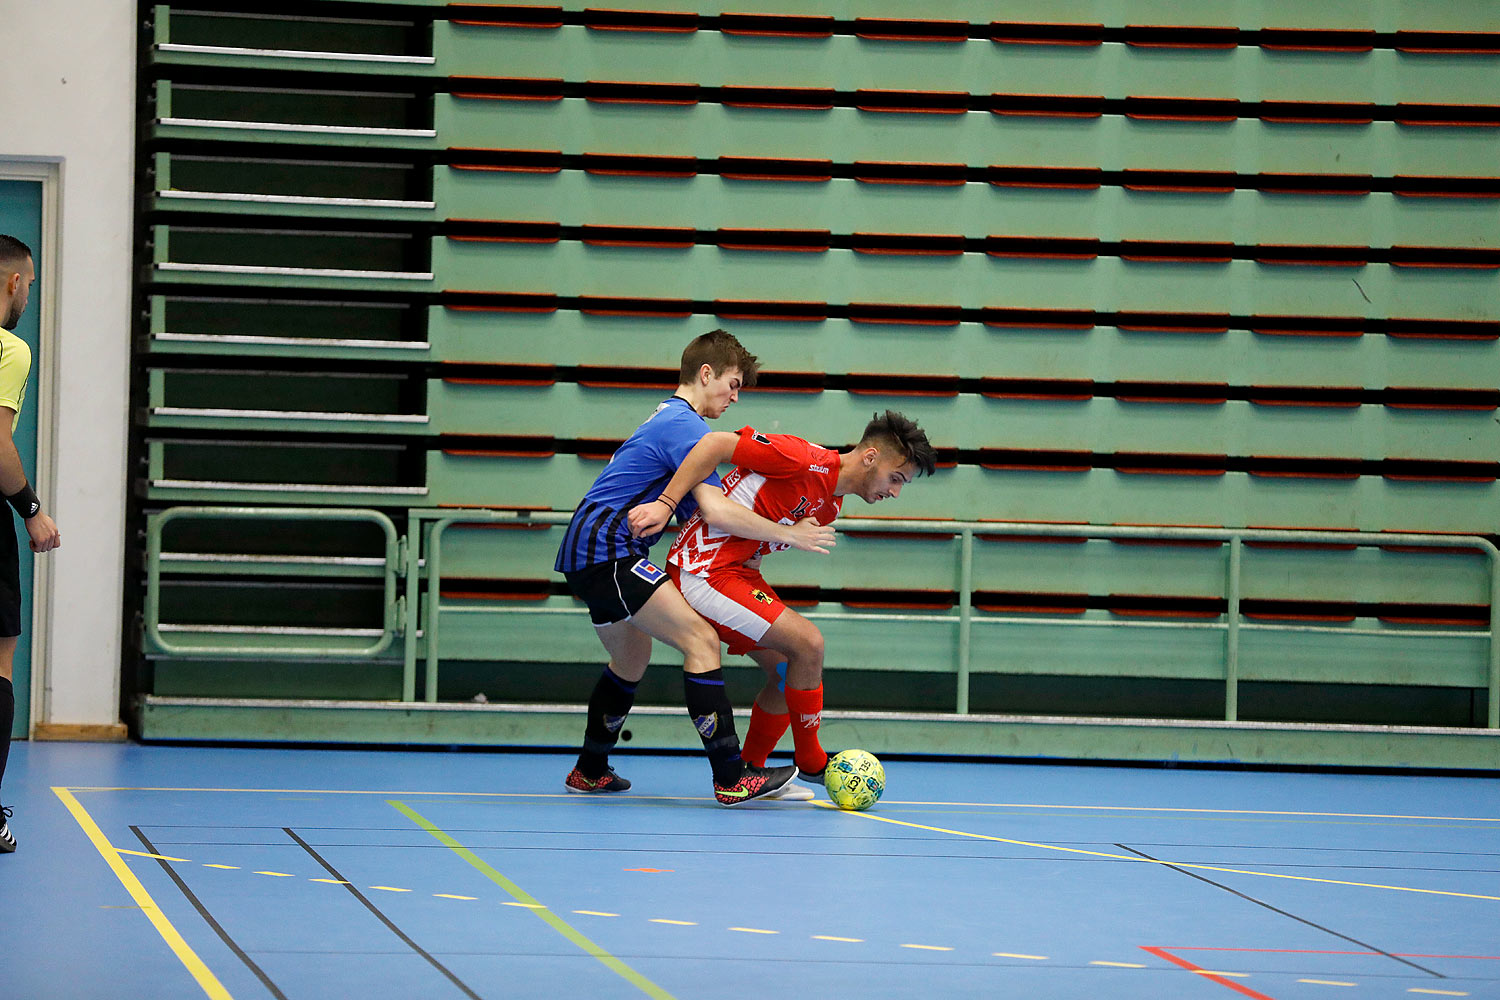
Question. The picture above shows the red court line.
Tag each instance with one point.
(1304, 951)
(1247, 991)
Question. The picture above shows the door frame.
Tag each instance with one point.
(48, 171)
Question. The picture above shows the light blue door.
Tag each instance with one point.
(21, 217)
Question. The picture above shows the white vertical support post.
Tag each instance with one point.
(413, 606)
(1494, 700)
(1232, 634)
(965, 616)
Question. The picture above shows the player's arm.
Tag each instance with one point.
(43, 532)
(723, 514)
(713, 448)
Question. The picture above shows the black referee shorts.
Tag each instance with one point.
(616, 590)
(10, 581)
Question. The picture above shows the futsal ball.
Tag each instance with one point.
(854, 779)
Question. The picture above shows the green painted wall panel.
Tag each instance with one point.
(836, 417)
(970, 349)
(969, 280)
(974, 210)
(975, 138)
(978, 66)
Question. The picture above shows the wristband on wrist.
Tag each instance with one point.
(25, 502)
(668, 501)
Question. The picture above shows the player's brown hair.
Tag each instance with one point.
(12, 253)
(719, 350)
(896, 432)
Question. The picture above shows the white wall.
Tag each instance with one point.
(67, 82)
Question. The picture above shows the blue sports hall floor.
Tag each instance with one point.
(180, 872)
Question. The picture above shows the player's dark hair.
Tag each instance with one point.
(719, 350)
(12, 253)
(897, 432)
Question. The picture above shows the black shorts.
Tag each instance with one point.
(616, 590)
(10, 582)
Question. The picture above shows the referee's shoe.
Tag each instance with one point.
(7, 842)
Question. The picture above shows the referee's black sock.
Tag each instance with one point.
(7, 719)
(608, 706)
(713, 717)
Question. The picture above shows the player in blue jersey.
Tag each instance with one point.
(631, 600)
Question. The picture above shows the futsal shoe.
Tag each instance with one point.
(7, 842)
(754, 783)
(816, 777)
(791, 792)
(608, 782)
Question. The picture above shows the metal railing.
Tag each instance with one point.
(391, 607)
(440, 520)
(419, 559)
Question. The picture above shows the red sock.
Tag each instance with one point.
(806, 708)
(766, 730)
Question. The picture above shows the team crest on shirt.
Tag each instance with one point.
(648, 572)
(707, 725)
(761, 596)
(761, 438)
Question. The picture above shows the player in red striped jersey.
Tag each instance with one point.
(787, 480)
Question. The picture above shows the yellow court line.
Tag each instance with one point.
(1156, 861)
(562, 927)
(1185, 809)
(694, 798)
(184, 952)
(145, 854)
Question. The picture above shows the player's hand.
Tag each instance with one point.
(648, 518)
(810, 536)
(44, 534)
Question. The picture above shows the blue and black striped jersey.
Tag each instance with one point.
(637, 472)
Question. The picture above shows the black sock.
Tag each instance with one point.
(713, 717)
(7, 719)
(608, 706)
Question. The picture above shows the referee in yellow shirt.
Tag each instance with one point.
(17, 272)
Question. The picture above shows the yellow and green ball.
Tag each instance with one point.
(854, 779)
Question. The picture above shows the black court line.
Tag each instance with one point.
(381, 916)
(209, 919)
(1284, 913)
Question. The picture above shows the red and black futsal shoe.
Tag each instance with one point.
(754, 783)
(609, 781)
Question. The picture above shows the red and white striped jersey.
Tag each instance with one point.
(783, 479)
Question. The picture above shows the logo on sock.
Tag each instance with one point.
(614, 722)
(812, 721)
(707, 725)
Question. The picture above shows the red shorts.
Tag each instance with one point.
(737, 602)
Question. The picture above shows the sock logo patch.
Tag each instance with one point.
(614, 722)
(810, 721)
(707, 725)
